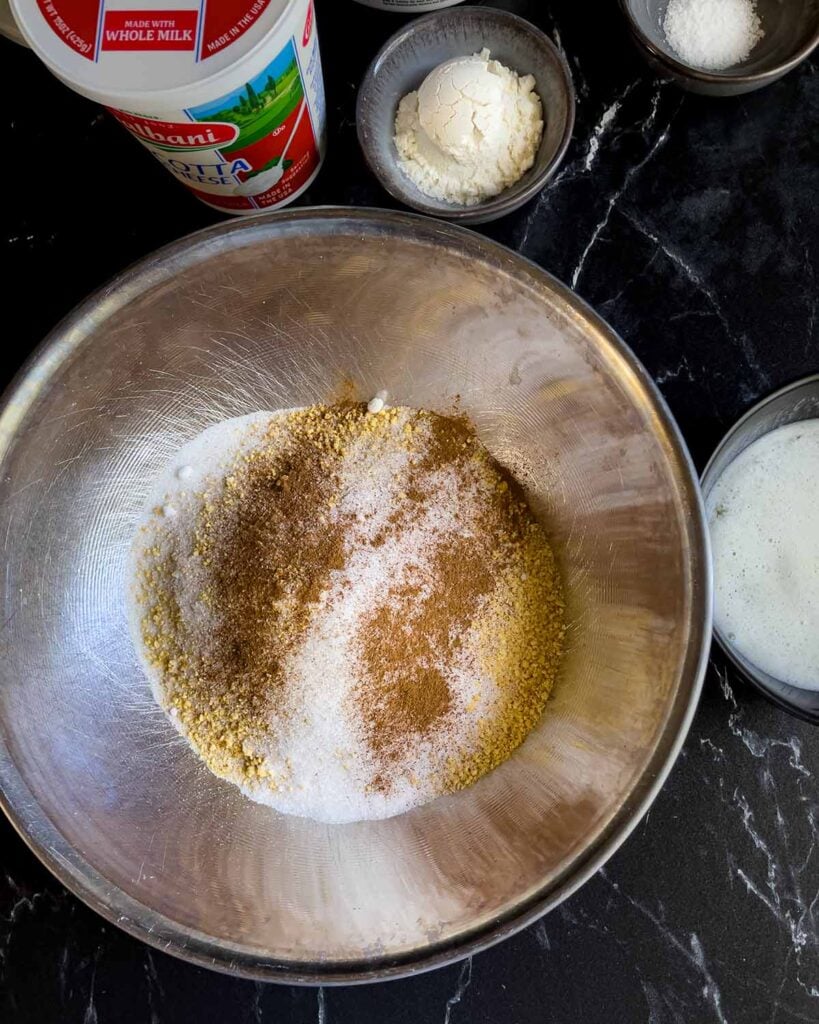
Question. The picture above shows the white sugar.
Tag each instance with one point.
(712, 34)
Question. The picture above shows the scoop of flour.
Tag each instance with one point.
(462, 105)
(471, 130)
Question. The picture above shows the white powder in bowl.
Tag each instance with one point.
(712, 34)
(470, 131)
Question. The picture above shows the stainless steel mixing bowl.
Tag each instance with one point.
(272, 312)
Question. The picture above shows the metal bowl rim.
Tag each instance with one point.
(142, 922)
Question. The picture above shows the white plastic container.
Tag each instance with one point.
(409, 6)
(226, 94)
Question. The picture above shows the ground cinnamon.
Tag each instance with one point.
(405, 697)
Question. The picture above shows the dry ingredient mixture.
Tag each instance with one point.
(346, 612)
(712, 34)
(470, 131)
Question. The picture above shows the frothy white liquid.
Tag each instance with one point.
(763, 513)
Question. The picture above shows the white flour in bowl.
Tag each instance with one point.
(470, 131)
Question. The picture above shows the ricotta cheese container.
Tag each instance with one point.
(227, 94)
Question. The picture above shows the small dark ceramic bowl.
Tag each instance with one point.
(797, 401)
(408, 57)
(791, 32)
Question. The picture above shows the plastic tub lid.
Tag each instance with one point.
(125, 49)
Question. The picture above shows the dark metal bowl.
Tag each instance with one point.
(408, 57)
(791, 33)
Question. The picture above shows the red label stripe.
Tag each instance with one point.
(149, 30)
(75, 22)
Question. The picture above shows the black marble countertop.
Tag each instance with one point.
(691, 225)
